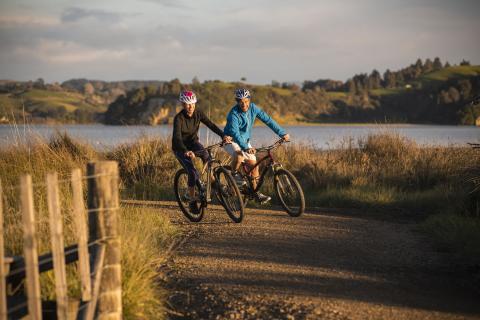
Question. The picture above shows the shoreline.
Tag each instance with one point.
(299, 124)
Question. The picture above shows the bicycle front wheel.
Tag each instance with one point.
(180, 185)
(289, 192)
(231, 198)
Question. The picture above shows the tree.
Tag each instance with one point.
(195, 81)
(419, 63)
(465, 87)
(151, 90)
(389, 79)
(418, 68)
(137, 97)
(447, 65)
(39, 84)
(428, 66)
(465, 62)
(437, 64)
(399, 79)
(454, 94)
(175, 87)
(374, 80)
(243, 79)
(88, 89)
(351, 88)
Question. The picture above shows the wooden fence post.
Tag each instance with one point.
(81, 230)
(30, 248)
(103, 204)
(58, 253)
(3, 282)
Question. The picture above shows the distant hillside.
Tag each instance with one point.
(39, 103)
(108, 90)
(419, 93)
(423, 92)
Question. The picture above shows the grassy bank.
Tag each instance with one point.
(146, 234)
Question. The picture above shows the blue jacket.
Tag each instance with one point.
(239, 124)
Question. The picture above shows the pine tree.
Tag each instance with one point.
(428, 66)
(437, 64)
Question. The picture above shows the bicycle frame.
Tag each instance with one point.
(271, 165)
(208, 168)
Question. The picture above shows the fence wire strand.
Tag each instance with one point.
(60, 181)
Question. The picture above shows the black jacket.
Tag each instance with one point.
(185, 129)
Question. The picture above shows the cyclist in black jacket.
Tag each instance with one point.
(185, 142)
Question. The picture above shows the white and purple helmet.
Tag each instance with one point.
(188, 97)
(242, 94)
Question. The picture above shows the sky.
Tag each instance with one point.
(261, 40)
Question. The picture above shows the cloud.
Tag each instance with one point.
(169, 3)
(20, 20)
(271, 39)
(75, 14)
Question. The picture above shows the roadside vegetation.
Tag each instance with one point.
(384, 174)
(146, 234)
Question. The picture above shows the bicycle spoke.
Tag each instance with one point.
(289, 193)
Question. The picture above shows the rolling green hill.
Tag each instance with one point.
(420, 93)
(43, 105)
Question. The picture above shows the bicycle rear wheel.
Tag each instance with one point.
(231, 198)
(180, 185)
(289, 192)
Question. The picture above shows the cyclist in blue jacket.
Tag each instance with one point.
(239, 125)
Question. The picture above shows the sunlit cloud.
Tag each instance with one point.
(22, 20)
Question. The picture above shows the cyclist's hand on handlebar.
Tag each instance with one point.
(286, 137)
(251, 151)
(190, 154)
(227, 139)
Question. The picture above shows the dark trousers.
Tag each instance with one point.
(187, 163)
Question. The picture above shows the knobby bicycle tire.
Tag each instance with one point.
(285, 184)
(179, 175)
(231, 198)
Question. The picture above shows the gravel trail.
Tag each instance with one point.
(323, 265)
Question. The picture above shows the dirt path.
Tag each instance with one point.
(322, 265)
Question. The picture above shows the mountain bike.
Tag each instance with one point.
(217, 180)
(287, 187)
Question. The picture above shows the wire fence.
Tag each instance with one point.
(60, 202)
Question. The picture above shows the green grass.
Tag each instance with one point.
(281, 91)
(436, 78)
(451, 73)
(386, 92)
(70, 100)
(335, 95)
(59, 104)
(8, 103)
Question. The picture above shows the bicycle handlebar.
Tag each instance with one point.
(277, 144)
(212, 147)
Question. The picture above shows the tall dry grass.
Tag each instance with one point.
(382, 170)
(147, 168)
(385, 173)
(146, 235)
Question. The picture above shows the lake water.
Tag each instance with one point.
(320, 136)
